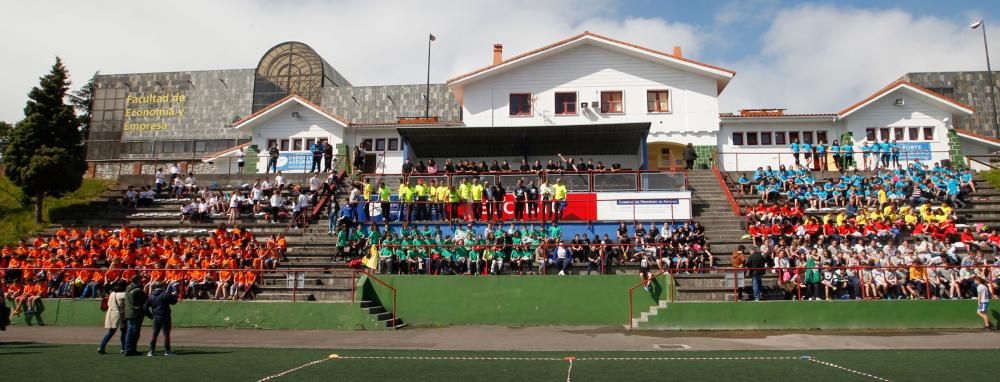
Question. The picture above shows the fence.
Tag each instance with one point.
(588, 181)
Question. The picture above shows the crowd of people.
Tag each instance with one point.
(891, 235)
(463, 166)
(842, 156)
(914, 184)
(522, 249)
(75, 263)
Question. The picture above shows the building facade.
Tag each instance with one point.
(970, 88)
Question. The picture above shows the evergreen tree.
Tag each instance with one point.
(5, 130)
(44, 156)
(82, 101)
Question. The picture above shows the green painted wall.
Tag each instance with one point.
(917, 314)
(225, 314)
(506, 300)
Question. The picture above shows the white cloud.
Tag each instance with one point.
(824, 58)
(369, 42)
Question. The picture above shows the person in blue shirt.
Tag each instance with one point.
(953, 185)
(885, 150)
(744, 183)
(795, 151)
(807, 150)
(846, 155)
(835, 152)
(868, 153)
(966, 178)
(821, 155)
(894, 152)
(317, 156)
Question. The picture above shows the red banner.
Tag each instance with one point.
(578, 207)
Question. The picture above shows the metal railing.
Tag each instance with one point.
(586, 181)
(668, 282)
(749, 160)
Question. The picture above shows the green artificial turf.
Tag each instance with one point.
(35, 361)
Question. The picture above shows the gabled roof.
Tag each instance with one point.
(722, 75)
(949, 104)
(978, 137)
(283, 103)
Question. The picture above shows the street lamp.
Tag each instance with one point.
(427, 95)
(989, 76)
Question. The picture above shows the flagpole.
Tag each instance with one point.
(427, 95)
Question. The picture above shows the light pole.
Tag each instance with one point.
(989, 76)
(427, 95)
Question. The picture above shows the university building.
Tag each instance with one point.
(588, 97)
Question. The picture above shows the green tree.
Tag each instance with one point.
(44, 156)
(82, 100)
(5, 130)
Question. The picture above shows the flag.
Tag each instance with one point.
(433, 38)
(371, 261)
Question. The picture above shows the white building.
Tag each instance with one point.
(914, 117)
(590, 79)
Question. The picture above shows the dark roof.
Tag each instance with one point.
(513, 141)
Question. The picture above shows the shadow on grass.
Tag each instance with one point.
(24, 345)
(199, 352)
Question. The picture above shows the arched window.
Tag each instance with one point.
(292, 68)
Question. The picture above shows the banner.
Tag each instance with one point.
(657, 206)
(294, 161)
(914, 151)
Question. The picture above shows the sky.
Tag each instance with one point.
(804, 56)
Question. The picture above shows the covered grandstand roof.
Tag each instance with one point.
(603, 139)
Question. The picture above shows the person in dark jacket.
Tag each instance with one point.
(756, 265)
(158, 306)
(689, 156)
(135, 303)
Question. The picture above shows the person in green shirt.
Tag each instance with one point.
(559, 192)
(453, 201)
(383, 198)
(555, 231)
(341, 244)
(421, 191)
(404, 189)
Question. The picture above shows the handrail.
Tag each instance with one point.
(331, 190)
(671, 292)
(391, 288)
(727, 191)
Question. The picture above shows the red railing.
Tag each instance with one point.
(727, 191)
(577, 181)
(668, 283)
(391, 288)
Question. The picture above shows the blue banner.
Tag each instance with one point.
(299, 161)
(914, 150)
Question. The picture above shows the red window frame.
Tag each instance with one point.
(608, 100)
(523, 100)
(654, 105)
(567, 103)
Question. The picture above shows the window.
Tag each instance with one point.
(870, 133)
(167, 147)
(323, 141)
(284, 145)
(520, 104)
(779, 138)
(821, 137)
(738, 139)
(884, 133)
(807, 137)
(897, 133)
(913, 133)
(199, 147)
(793, 136)
(366, 144)
(271, 142)
(929, 133)
(309, 143)
(752, 139)
(765, 138)
(296, 145)
(393, 144)
(565, 103)
(657, 101)
(611, 102)
(380, 144)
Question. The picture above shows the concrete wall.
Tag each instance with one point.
(749, 158)
(970, 88)
(915, 112)
(281, 125)
(588, 70)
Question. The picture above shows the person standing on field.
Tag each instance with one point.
(135, 302)
(983, 297)
(114, 318)
(159, 307)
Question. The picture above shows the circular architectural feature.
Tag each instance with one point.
(292, 68)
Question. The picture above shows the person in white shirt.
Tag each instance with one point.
(202, 210)
(190, 184)
(178, 187)
(234, 207)
(276, 202)
(187, 210)
(314, 183)
(983, 298)
(301, 206)
(279, 180)
(256, 195)
(562, 258)
(175, 171)
(241, 158)
(161, 180)
(131, 198)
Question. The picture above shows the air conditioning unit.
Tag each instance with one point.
(595, 105)
(899, 102)
(583, 105)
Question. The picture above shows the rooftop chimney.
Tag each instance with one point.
(677, 51)
(497, 53)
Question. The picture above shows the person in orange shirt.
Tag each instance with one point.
(33, 306)
(225, 282)
(96, 281)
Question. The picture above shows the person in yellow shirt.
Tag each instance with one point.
(476, 200)
(559, 192)
(404, 207)
(443, 200)
(465, 197)
(432, 200)
(420, 190)
(366, 191)
(883, 197)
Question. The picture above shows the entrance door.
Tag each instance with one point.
(371, 163)
(665, 160)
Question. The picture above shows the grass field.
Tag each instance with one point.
(37, 361)
(18, 211)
